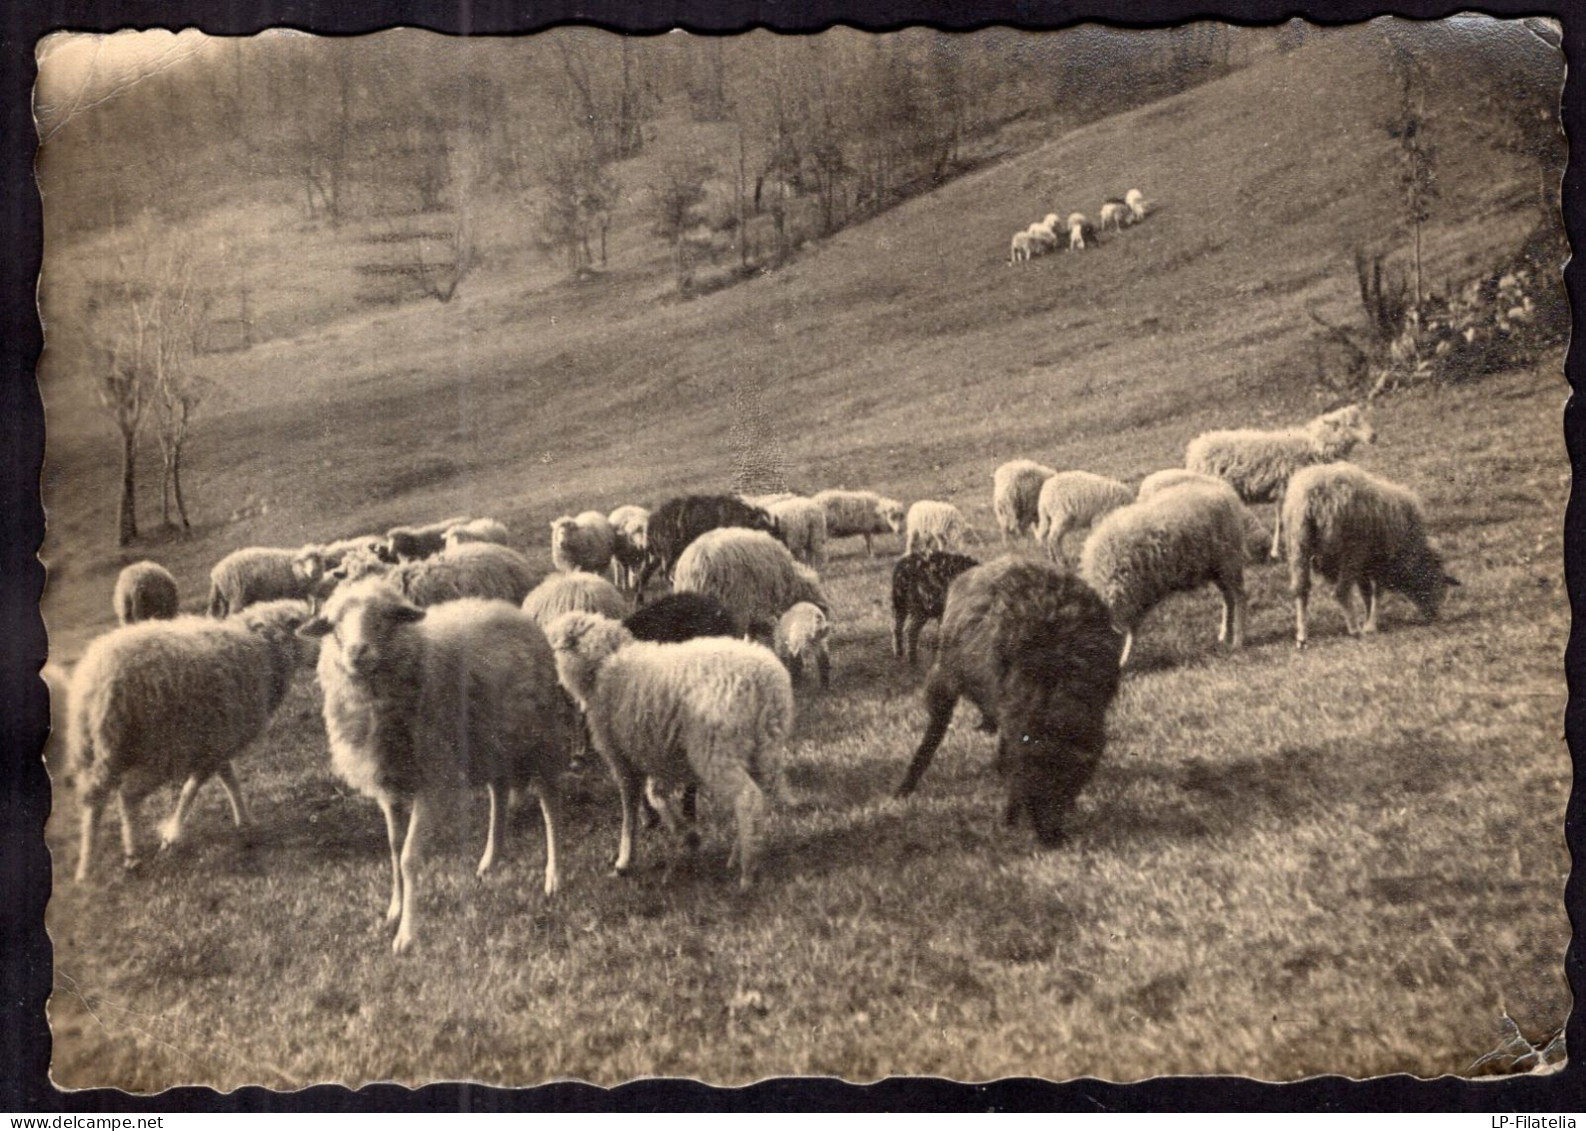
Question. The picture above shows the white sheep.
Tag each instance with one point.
(765, 502)
(1042, 239)
(749, 572)
(629, 526)
(408, 543)
(1075, 500)
(166, 701)
(1176, 542)
(1015, 493)
(803, 525)
(711, 711)
(421, 704)
(1135, 200)
(1257, 536)
(1080, 230)
(314, 561)
(583, 542)
(1259, 463)
(1359, 531)
(935, 525)
(566, 592)
(1021, 248)
(803, 632)
(850, 513)
(472, 569)
(479, 530)
(257, 573)
(144, 591)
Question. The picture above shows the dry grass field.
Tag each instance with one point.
(1348, 859)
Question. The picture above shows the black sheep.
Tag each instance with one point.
(677, 522)
(681, 616)
(919, 592)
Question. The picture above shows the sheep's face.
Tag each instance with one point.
(582, 642)
(309, 565)
(893, 514)
(1426, 584)
(1045, 776)
(365, 621)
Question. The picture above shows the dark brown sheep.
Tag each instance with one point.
(919, 593)
(675, 524)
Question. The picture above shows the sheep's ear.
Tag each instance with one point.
(1450, 579)
(406, 614)
(314, 628)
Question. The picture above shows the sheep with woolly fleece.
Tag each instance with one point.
(803, 525)
(411, 543)
(1115, 213)
(1081, 232)
(472, 569)
(1032, 646)
(144, 591)
(1257, 536)
(751, 573)
(565, 592)
(1015, 493)
(1359, 531)
(804, 631)
(919, 594)
(675, 524)
(710, 712)
(315, 560)
(1136, 202)
(628, 525)
(1042, 239)
(851, 513)
(167, 701)
(257, 573)
(935, 525)
(1021, 249)
(765, 502)
(1173, 543)
(479, 530)
(585, 542)
(681, 616)
(1258, 463)
(422, 704)
(1074, 500)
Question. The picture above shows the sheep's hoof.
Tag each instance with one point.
(393, 913)
(551, 886)
(1299, 645)
(132, 863)
(402, 943)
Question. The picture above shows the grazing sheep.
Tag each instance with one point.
(751, 573)
(1257, 536)
(564, 592)
(1021, 248)
(1042, 239)
(1175, 542)
(1073, 500)
(710, 712)
(585, 542)
(1081, 232)
(803, 526)
(144, 591)
(313, 562)
(1136, 203)
(1259, 464)
(1015, 491)
(410, 543)
(1358, 531)
(677, 522)
(421, 704)
(1115, 213)
(628, 525)
(166, 701)
(850, 513)
(473, 569)
(919, 593)
(258, 573)
(805, 630)
(479, 530)
(1031, 645)
(681, 616)
(933, 525)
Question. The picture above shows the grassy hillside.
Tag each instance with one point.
(1343, 860)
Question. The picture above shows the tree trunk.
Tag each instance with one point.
(1418, 271)
(176, 487)
(166, 474)
(127, 516)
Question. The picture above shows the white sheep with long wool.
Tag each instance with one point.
(1042, 239)
(1360, 532)
(804, 633)
(144, 591)
(852, 513)
(1015, 493)
(167, 701)
(803, 525)
(1021, 249)
(315, 560)
(471, 569)
(256, 573)
(752, 574)
(410, 543)
(934, 525)
(577, 591)
(1136, 202)
(1115, 213)
(1075, 500)
(1174, 543)
(1257, 536)
(478, 530)
(423, 704)
(1081, 232)
(711, 711)
(585, 541)
(629, 538)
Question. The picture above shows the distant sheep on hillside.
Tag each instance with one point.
(676, 523)
(473, 569)
(1116, 214)
(919, 594)
(410, 543)
(803, 526)
(1074, 500)
(935, 525)
(1136, 201)
(1021, 249)
(583, 542)
(851, 513)
(1081, 232)
(479, 530)
(144, 591)
(1015, 495)
(257, 573)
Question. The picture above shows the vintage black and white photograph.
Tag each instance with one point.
(589, 556)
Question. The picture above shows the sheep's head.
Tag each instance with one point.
(1343, 428)
(582, 642)
(562, 528)
(279, 622)
(309, 564)
(1045, 773)
(1425, 582)
(366, 619)
(356, 565)
(801, 628)
(892, 513)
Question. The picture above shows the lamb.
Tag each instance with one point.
(1015, 491)
(479, 530)
(1042, 239)
(1359, 531)
(628, 526)
(850, 513)
(751, 573)
(709, 711)
(677, 522)
(804, 631)
(919, 594)
(421, 704)
(472, 569)
(1032, 646)
(1175, 542)
(258, 573)
(1136, 203)
(1257, 536)
(803, 525)
(1116, 213)
(933, 525)
(1259, 464)
(1080, 231)
(564, 592)
(681, 616)
(586, 542)
(1021, 249)
(410, 543)
(1073, 500)
(144, 591)
(166, 701)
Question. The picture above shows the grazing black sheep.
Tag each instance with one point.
(681, 616)
(1034, 648)
(677, 522)
(919, 592)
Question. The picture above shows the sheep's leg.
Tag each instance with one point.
(418, 827)
(1368, 594)
(733, 784)
(1341, 593)
(916, 626)
(1300, 601)
(395, 818)
(85, 851)
(1276, 551)
(171, 828)
(940, 704)
(628, 787)
(493, 830)
(899, 619)
(1128, 646)
(823, 665)
(870, 546)
(550, 812)
(239, 808)
(1233, 626)
(128, 807)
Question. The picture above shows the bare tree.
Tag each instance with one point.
(1410, 127)
(676, 200)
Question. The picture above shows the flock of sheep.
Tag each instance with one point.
(1042, 236)
(446, 662)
